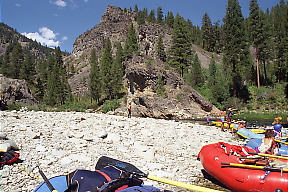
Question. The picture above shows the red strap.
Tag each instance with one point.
(121, 188)
(106, 176)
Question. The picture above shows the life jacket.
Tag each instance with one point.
(8, 157)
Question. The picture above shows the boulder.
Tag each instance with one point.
(15, 90)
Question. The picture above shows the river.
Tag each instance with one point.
(255, 121)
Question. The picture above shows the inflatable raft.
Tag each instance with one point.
(224, 162)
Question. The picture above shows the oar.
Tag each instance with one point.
(256, 121)
(49, 185)
(278, 141)
(265, 168)
(107, 161)
(268, 155)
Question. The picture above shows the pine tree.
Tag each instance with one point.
(6, 68)
(57, 88)
(196, 72)
(50, 96)
(280, 25)
(17, 59)
(106, 69)
(40, 90)
(216, 38)
(170, 19)
(212, 78)
(255, 31)
(206, 32)
(117, 71)
(160, 16)
(151, 17)
(236, 52)
(160, 89)
(27, 71)
(217, 84)
(131, 45)
(42, 69)
(265, 41)
(180, 51)
(94, 75)
(161, 49)
(140, 18)
(136, 8)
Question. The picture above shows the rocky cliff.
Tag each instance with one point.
(182, 101)
(15, 90)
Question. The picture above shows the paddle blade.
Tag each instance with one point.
(107, 161)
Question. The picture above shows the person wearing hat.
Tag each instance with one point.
(277, 120)
(229, 117)
(278, 131)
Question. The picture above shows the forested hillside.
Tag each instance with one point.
(253, 72)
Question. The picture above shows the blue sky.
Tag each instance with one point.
(60, 22)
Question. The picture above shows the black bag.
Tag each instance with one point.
(85, 180)
(8, 157)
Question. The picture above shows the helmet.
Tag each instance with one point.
(277, 127)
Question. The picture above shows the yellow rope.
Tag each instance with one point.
(29, 173)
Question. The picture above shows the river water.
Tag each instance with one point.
(249, 120)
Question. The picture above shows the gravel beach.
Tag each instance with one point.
(64, 141)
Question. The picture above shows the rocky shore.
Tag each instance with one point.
(64, 141)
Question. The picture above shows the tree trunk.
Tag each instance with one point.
(258, 75)
(234, 82)
(265, 73)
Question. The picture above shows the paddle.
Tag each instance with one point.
(107, 161)
(265, 168)
(49, 185)
(256, 122)
(268, 155)
(278, 141)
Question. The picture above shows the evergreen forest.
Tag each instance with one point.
(252, 72)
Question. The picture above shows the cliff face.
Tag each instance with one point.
(15, 90)
(182, 101)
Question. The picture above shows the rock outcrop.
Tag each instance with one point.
(15, 90)
(182, 101)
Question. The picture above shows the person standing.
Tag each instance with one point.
(129, 110)
(229, 118)
(208, 119)
(222, 117)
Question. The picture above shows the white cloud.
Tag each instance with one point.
(60, 3)
(18, 5)
(64, 38)
(45, 37)
(85, 0)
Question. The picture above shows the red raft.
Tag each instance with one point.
(239, 178)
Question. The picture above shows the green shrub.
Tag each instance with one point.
(148, 63)
(179, 98)
(110, 105)
(167, 67)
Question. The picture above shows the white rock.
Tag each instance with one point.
(5, 147)
(65, 162)
(40, 148)
(32, 135)
(112, 137)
